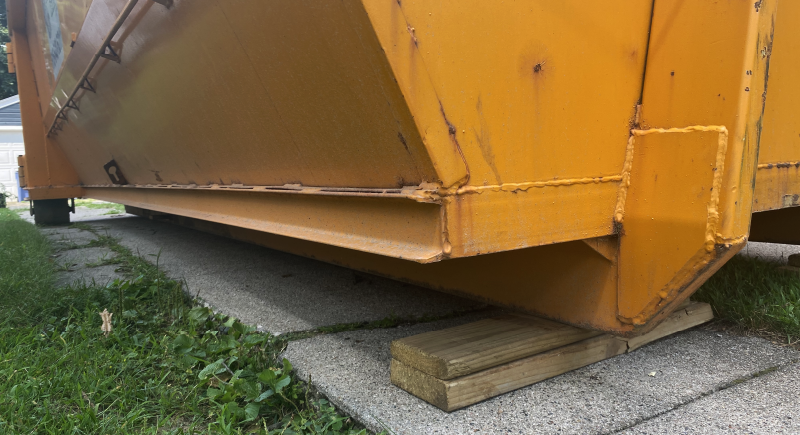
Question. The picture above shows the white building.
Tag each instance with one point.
(11, 144)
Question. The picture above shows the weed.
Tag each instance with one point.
(105, 261)
(82, 226)
(3, 195)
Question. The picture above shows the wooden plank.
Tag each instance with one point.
(694, 314)
(473, 347)
(453, 394)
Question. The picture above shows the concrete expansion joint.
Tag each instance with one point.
(713, 391)
(385, 323)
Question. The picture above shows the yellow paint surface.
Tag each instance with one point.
(488, 138)
(778, 171)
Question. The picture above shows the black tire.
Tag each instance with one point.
(51, 211)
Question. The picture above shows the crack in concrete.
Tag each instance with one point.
(723, 387)
(385, 323)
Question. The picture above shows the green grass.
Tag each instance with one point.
(168, 366)
(757, 296)
(112, 207)
(26, 271)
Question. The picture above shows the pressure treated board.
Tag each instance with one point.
(452, 394)
(469, 348)
(694, 314)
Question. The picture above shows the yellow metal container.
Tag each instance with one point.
(589, 164)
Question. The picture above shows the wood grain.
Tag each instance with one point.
(694, 314)
(453, 394)
(487, 343)
(417, 360)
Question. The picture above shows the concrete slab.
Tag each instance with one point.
(78, 271)
(83, 214)
(764, 405)
(96, 276)
(67, 238)
(285, 293)
(774, 252)
(352, 369)
(278, 291)
(77, 258)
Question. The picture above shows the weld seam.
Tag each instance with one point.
(722, 148)
(778, 165)
(513, 187)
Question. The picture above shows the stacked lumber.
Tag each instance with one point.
(460, 366)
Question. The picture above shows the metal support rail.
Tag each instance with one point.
(105, 51)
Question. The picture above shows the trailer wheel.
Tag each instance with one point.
(52, 211)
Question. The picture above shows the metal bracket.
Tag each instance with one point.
(72, 207)
(71, 104)
(113, 56)
(114, 173)
(106, 51)
(87, 86)
(166, 3)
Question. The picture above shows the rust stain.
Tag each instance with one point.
(485, 142)
(403, 141)
(411, 31)
(452, 131)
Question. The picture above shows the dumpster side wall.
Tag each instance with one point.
(228, 93)
(778, 174)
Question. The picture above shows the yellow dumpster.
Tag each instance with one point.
(585, 163)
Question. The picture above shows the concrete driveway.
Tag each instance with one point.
(706, 381)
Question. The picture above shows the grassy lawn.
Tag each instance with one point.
(112, 208)
(756, 296)
(168, 366)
